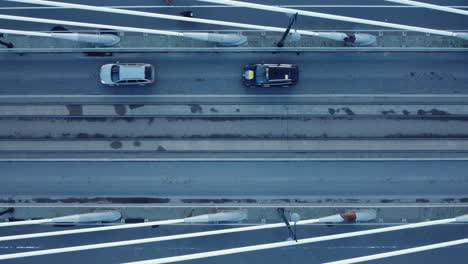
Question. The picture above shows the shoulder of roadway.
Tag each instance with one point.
(257, 41)
(390, 213)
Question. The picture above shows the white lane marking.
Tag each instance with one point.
(219, 159)
(221, 6)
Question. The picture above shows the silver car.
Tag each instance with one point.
(127, 74)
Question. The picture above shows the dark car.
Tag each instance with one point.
(267, 75)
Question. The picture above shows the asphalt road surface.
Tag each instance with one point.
(312, 253)
(315, 181)
(368, 9)
(200, 74)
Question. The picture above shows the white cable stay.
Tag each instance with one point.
(294, 243)
(92, 217)
(26, 222)
(338, 17)
(145, 240)
(230, 216)
(400, 252)
(89, 25)
(110, 216)
(361, 39)
(98, 39)
(162, 16)
(365, 215)
(430, 6)
(83, 230)
(26, 33)
(225, 39)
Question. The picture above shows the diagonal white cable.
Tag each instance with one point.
(162, 16)
(27, 33)
(90, 25)
(148, 240)
(290, 243)
(359, 215)
(87, 230)
(335, 17)
(26, 222)
(400, 252)
(430, 6)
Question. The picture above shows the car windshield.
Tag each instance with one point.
(115, 73)
(148, 73)
(261, 73)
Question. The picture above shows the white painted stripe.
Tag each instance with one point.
(290, 243)
(218, 159)
(400, 252)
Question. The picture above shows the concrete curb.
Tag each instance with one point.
(232, 99)
(257, 214)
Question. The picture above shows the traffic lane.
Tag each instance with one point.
(409, 15)
(317, 180)
(200, 73)
(314, 252)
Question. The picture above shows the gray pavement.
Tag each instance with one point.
(229, 149)
(132, 128)
(197, 74)
(325, 181)
(142, 110)
(198, 125)
(230, 99)
(239, 145)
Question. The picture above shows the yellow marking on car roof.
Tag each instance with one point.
(250, 75)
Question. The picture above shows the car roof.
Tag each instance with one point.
(131, 72)
(278, 73)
